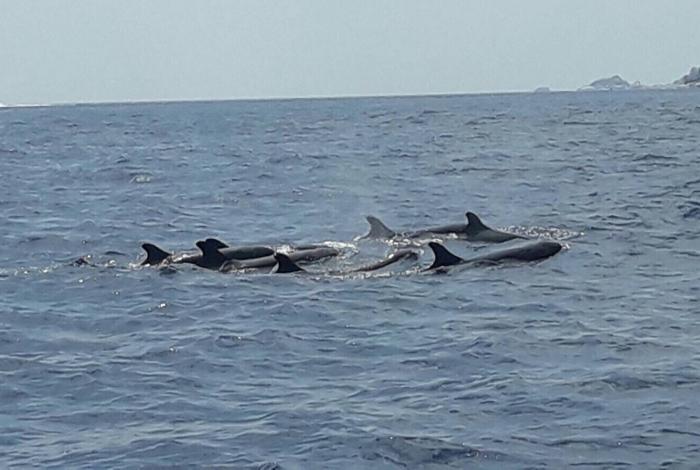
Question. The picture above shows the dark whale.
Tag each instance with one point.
(474, 230)
(389, 260)
(286, 265)
(305, 254)
(532, 251)
(156, 255)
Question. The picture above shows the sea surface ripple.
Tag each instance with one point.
(589, 359)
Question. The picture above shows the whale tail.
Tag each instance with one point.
(285, 265)
(154, 255)
(443, 257)
(377, 229)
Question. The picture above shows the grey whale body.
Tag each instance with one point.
(205, 258)
(474, 230)
(285, 263)
(532, 251)
(306, 254)
(395, 257)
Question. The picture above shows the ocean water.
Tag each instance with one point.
(590, 359)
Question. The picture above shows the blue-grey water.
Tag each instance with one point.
(589, 359)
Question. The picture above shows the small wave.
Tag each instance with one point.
(12, 151)
(269, 466)
(273, 336)
(691, 183)
(552, 233)
(414, 452)
(141, 179)
(584, 123)
(678, 431)
(650, 157)
(693, 213)
(229, 341)
(29, 271)
(622, 382)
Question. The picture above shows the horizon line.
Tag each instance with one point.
(276, 98)
(539, 90)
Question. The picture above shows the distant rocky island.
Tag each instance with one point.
(691, 78)
(616, 83)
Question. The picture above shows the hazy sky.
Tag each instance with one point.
(120, 50)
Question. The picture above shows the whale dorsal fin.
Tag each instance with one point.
(210, 251)
(377, 229)
(285, 265)
(203, 247)
(216, 242)
(475, 224)
(443, 257)
(154, 255)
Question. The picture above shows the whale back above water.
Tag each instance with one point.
(211, 257)
(285, 265)
(240, 252)
(305, 255)
(215, 242)
(154, 255)
(213, 253)
(474, 230)
(377, 229)
(391, 259)
(532, 251)
(443, 257)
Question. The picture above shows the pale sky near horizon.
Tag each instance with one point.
(54, 51)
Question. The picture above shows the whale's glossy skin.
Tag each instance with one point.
(287, 265)
(203, 259)
(474, 230)
(391, 259)
(304, 255)
(531, 251)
